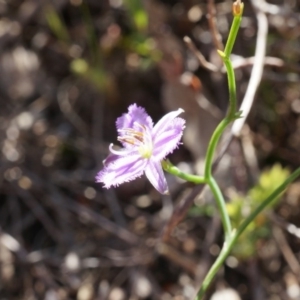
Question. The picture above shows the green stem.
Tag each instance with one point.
(213, 270)
(221, 206)
(212, 147)
(232, 35)
(226, 59)
(231, 115)
(168, 167)
(228, 245)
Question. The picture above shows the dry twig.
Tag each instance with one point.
(217, 38)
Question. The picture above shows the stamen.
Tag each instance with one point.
(126, 140)
(131, 136)
(141, 125)
(140, 139)
(131, 131)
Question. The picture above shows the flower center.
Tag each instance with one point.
(145, 151)
(140, 139)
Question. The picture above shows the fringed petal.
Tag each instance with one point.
(122, 169)
(166, 141)
(155, 174)
(136, 115)
(164, 122)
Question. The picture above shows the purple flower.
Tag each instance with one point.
(144, 147)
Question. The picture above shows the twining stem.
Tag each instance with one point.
(230, 242)
(221, 206)
(212, 147)
(210, 179)
(231, 114)
(230, 236)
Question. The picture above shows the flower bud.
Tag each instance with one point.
(237, 8)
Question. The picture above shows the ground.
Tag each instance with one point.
(68, 70)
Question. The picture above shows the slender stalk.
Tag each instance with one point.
(168, 167)
(228, 245)
(212, 147)
(233, 33)
(221, 206)
(213, 270)
(231, 114)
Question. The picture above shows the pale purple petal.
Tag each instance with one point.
(115, 154)
(168, 140)
(111, 158)
(123, 169)
(136, 115)
(164, 122)
(156, 176)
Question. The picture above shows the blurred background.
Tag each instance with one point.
(68, 69)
